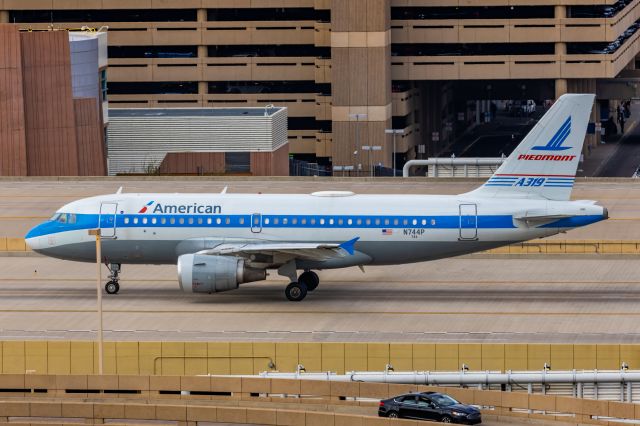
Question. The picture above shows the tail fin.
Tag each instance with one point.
(544, 164)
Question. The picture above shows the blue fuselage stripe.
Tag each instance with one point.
(267, 221)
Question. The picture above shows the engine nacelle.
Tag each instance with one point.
(212, 274)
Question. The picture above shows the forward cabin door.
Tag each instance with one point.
(468, 222)
(107, 219)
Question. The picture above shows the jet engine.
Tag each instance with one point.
(212, 274)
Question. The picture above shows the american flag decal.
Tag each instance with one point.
(387, 232)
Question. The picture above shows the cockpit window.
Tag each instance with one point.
(64, 218)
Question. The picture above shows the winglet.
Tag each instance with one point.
(224, 191)
(119, 191)
(349, 246)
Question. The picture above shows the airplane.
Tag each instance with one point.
(220, 241)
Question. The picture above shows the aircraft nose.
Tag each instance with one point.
(34, 238)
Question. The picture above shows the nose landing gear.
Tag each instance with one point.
(113, 286)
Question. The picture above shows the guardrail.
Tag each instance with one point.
(570, 247)
(530, 247)
(23, 399)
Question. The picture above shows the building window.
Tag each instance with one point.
(103, 84)
(237, 162)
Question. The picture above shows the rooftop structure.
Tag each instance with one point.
(199, 141)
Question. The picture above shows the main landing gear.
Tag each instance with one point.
(113, 287)
(297, 290)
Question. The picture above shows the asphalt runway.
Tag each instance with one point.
(467, 299)
(590, 299)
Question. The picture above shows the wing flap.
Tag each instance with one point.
(308, 251)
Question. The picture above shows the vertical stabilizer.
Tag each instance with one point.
(544, 165)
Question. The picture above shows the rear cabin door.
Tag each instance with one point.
(107, 219)
(468, 222)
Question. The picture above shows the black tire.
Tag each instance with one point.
(446, 419)
(393, 415)
(311, 279)
(112, 287)
(296, 291)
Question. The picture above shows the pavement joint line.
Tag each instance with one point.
(400, 313)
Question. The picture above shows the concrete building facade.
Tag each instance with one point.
(44, 129)
(349, 69)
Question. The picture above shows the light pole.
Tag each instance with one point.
(370, 148)
(394, 132)
(358, 117)
(96, 232)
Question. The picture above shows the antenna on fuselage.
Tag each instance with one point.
(119, 191)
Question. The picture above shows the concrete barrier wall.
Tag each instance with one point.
(179, 405)
(193, 358)
(553, 246)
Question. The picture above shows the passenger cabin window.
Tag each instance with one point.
(163, 220)
(135, 220)
(190, 221)
(181, 221)
(154, 221)
(266, 221)
(144, 220)
(209, 221)
(126, 220)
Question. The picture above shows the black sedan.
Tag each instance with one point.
(429, 406)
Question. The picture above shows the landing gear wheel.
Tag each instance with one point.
(296, 291)
(311, 279)
(112, 287)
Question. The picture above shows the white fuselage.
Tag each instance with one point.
(391, 229)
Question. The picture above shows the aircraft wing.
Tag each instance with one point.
(307, 251)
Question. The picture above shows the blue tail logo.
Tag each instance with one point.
(555, 144)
